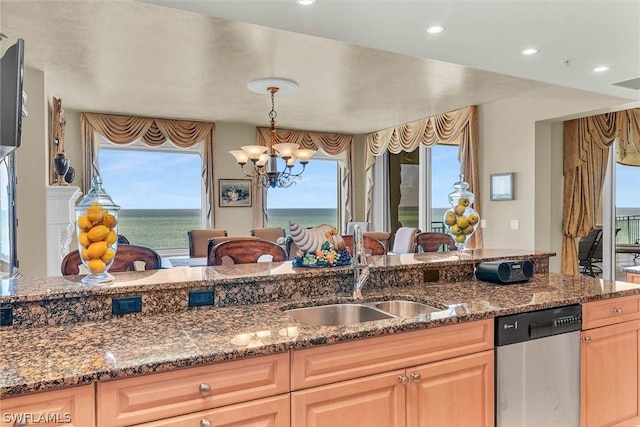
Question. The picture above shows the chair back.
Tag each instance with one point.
(371, 246)
(198, 240)
(432, 242)
(245, 251)
(127, 256)
(381, 236)
(404, 240)
(271, 234)
(364, 226)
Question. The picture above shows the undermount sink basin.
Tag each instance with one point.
(337, 314)
(403, 308)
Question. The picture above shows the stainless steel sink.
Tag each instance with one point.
(337, 314)
(403, 308)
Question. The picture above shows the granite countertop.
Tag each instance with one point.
(634, 269)
(55, 356)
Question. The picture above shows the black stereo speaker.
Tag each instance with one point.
(505, 272)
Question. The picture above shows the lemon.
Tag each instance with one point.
(449, 218)
(97, 233)
(108, 256)
(83, 239)
(455, 230)
(109, 220)
(111, 238)
(474, 218)
(464, 201)
(97, 265)
(459, 209)
(84, 223)
(95, 212)
(97, 249)
(461, 238)
(468, 229)
(84, 253)
(462, 222)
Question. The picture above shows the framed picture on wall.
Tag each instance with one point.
(234, 193)
(502, 186)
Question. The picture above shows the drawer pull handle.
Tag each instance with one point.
(205, 423)
(404, 380)
(205, 389)
(416, 376)
(586, 338)
(618, 310)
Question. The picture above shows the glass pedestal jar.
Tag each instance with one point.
(97, 228)
(461, 220)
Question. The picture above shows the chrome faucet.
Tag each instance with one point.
(360, 265)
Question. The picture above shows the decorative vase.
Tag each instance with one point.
(461, 220)
(97, 227)
(61, 165)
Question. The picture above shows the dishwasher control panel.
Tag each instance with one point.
(537, 324)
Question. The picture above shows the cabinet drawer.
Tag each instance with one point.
(152, 397)
(329, 364)
(610, 311)
(633, 278)
(73, 406)
(267, 412)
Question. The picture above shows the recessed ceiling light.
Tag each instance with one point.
(530, 51)
(600, 69)
(435, 29)
(307, 2)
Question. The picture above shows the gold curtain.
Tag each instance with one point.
(448, 127)
(337, 145)
(586, 149)
(152, 132)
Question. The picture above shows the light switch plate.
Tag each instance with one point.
(483, 223)
(515, 224)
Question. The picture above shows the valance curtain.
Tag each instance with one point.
(152, 132)
(448, 127)
(586, 149)
(337, 145)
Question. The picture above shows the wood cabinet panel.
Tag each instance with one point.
(151, 397)
(633, 278)
(455, 392)
(376, 400)
(610, 393)
(266, 412)
(609, 311)
(74, 406)
(330, 364)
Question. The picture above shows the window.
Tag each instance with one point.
(7, 218)
(441, 169)
(159, 190)
(311, 201)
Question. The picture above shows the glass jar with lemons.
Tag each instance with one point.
(97, 228)
(461, 220)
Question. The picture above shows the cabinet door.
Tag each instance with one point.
(74, 406)
(268, 412)
(455, 392)
(609, 375)
(376, 400)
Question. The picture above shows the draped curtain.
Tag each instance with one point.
(122, 130)
(586, 149)
(339, 146)
(446, 127)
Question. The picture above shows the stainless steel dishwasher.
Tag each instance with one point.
(538, 368)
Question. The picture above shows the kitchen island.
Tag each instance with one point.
(65, 334)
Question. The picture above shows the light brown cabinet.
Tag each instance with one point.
(455, 387)
(610, 363)
(633, 277)
(73, 406)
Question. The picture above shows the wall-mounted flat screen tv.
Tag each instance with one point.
(12, 98)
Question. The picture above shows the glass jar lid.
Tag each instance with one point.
(97, 194)
(461, 192)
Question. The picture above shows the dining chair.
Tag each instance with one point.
(382, 236)
(371, 246)
(433, 242)
(127, 258)
(198, 240)
(404, 240)
(364, 226)
(244, 251)
(271, 234)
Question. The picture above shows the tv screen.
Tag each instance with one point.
(11, 98)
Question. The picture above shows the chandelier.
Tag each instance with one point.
(264, 159)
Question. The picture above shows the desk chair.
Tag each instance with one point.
(198, 240)
(271, 234)
(371, 246)
(432, 242)
(244, 251)
(404, 240)
(127, 256)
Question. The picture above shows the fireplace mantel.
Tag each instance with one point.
(60, 224)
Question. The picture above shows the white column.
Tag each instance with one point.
(60, 224)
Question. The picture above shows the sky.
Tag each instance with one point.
(156, 180)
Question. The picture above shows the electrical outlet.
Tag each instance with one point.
(483, 223)
(515, 224)
(126, 305)
(201, 297)
(6, 316)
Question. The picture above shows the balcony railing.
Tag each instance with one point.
(629, 226)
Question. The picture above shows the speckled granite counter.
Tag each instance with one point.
(47, 357)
